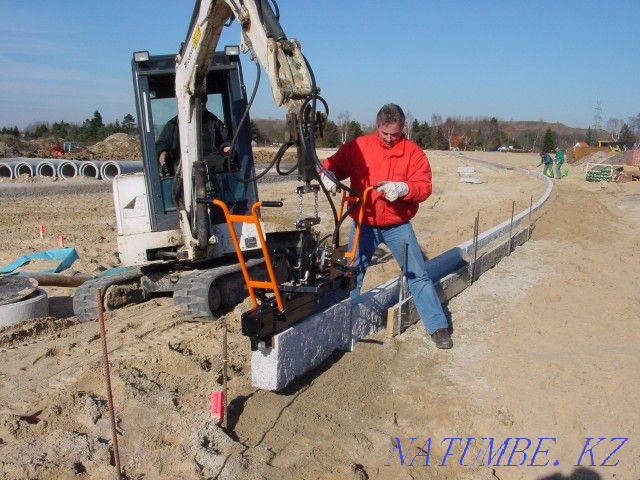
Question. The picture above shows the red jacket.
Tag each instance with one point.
(368, 162)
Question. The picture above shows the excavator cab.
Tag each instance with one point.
(156, 106)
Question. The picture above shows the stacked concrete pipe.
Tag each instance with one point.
(111, 168)
(6, 169)
(48, 167)
(90, 169)
(25, 166)
(68, 169)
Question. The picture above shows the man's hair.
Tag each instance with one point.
(390, 113)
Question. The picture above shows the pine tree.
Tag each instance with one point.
(41, 130)
(96, 121)
(626, 135)
(494, 135)
(255, 132)
(331, 136)
(128, 123)
(354, 130)
(549, 142)
(590, 137)
(422, 134)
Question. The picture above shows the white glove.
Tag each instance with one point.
(393, 190)
(329, 181)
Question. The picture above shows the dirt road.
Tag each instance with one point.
(545, 346)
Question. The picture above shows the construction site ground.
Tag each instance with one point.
(545, 345)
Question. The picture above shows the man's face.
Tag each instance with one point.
(390, 133)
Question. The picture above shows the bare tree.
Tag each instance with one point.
(634, 123)
(408, 124)
(369, 127)
(614, 125)
(344, 120)
(436, 120)
(449, 129)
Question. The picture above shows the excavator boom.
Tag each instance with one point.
(264, 39)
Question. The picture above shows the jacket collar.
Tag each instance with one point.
(396, 151)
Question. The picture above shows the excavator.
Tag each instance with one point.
(197, 234)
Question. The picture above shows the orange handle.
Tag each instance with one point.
(351, 255)
(254, 218)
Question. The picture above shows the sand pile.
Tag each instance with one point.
(266, 156)
(118, 146)
(11, 146)
(596, 157)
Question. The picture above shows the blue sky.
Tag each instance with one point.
(517, 60)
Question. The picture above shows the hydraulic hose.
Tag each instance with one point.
(288, 172)
(276, 9)
(234, 140)
(279, 154)
(311, 150)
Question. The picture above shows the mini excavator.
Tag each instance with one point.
(197, 234)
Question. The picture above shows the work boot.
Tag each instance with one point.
(442, 338)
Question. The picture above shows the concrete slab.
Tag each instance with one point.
(302, 347)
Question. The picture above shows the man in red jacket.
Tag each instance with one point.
(401, 171)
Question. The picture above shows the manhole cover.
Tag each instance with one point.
(14, 288)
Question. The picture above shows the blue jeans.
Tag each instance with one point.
(420, 285)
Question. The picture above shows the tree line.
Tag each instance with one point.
(457, 133)
(90, 130)
(452, 133)
(272, 132)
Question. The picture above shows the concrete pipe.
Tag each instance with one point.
(112, 168)
(35, 306)
(24, 168)
(68, 169)
(89, 169)
(46, 168)
(5, 170)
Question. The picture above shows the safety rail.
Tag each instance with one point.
(272, 283)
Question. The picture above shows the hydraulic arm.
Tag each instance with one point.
(291, 85)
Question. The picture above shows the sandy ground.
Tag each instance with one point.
(545, 346)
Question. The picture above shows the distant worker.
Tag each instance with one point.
(560, 157)
(547, 161)
(215, 137)
(401, 171)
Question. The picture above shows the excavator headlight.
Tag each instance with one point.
(141, 56)
(232, 50)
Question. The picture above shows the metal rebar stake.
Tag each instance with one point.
(513, 208)
(530, 211)
(225, 360)
(107, 375)
(476, 227)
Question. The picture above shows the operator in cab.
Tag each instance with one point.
(215, 142)
(401, 172)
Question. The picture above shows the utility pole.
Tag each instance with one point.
(597, 119)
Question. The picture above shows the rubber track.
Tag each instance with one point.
(84, 298)
(191, 294)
